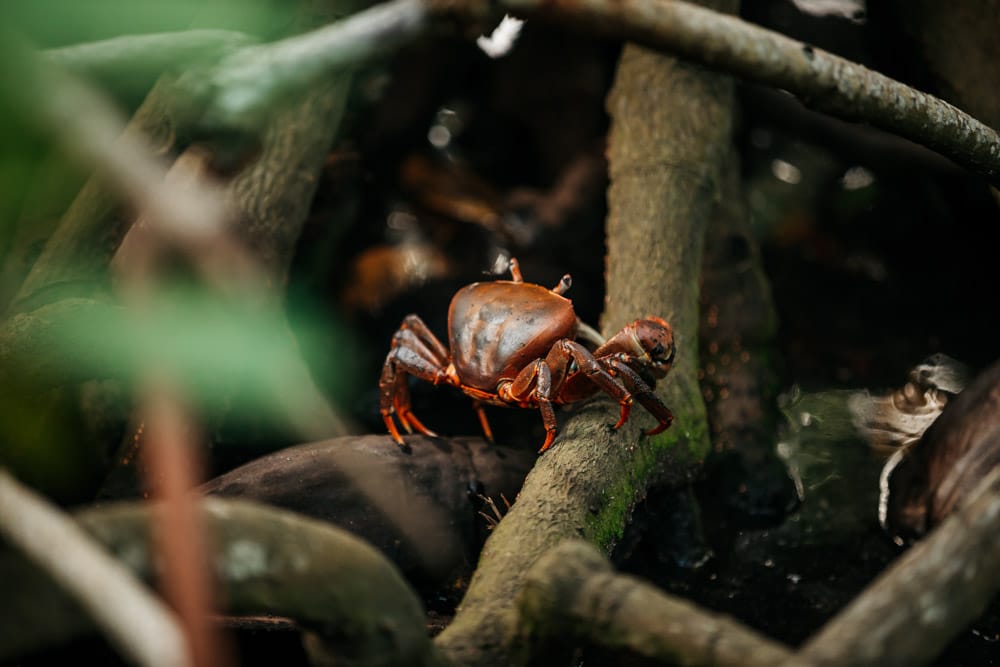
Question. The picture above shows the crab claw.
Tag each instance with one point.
(549, 437)
(626, 411)
(662, 426)
(390, 425)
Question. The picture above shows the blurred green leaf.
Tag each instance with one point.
(220, 353)
(51, 23)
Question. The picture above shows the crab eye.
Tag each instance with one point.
(658, 350)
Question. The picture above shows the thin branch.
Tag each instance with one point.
(933, 592)
(820, 79)
(573, 593)
(90, 231)
(173, 470)
(132, 63)
(246, 85)
(133, 618)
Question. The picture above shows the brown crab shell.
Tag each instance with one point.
(495, 329)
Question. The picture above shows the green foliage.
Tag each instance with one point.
(52, 23)
(226, 357)
(208, 346)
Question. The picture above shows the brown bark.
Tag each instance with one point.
(275, 193)
(417, 507)
(573, 595)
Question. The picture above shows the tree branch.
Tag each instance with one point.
(243, 87)
(914, 608)
(135, 620)
(820, 79)
(131, 64)
(92, 130)
(270, 561)
(89, 233)
(572, 593)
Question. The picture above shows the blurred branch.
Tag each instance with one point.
(90, 231)
(91, 129)
(270, 561)
(174, 468)
(573, 594)
(930, 594)
(133, 63)
(133, 618)
(243, 87)
(820, 79)
(240, 89)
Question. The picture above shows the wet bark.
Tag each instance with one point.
(670, 134)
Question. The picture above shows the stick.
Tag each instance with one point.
(135, 620)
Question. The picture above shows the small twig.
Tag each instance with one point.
(133, 618)
(572, 592)
(820, 79)
(496, 514)
(173, 469)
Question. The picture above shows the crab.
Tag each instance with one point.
(514, 343)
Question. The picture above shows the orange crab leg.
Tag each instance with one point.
(533, 385)
(483, 421)
(415, 351)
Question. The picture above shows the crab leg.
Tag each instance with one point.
(395, 395)
(566, 351)
(483, 421)
(642, 392)
(533, 385)
(415, 351)
(423, 333)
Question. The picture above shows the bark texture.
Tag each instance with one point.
(573, 595)
(418, 507)
(959, 47)
(273, 196)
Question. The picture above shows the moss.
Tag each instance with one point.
(677, 449)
